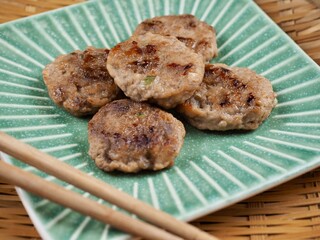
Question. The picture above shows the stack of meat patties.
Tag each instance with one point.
(164, 64)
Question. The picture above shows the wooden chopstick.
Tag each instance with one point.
(67, 173)
(75, 201)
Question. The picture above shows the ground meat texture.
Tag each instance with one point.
(79, 82)
(194, 33)
(156, 68)
(129, 136)
(229, 98)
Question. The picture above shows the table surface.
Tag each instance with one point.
(289, 211)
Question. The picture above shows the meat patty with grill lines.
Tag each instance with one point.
(130, 136)
(195, 34)
(156, 68)
(80, 82)
(229, 98)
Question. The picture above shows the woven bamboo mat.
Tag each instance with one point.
(289, 211)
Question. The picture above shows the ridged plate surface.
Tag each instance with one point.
(213, 169)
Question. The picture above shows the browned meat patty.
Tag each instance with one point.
(80, 82)
(194, 33)
(129, 136)
(156, 68)
(229, 98)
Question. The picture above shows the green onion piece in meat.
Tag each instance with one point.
(149, 79)
(140, 114)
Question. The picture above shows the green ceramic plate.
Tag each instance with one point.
(213, 169)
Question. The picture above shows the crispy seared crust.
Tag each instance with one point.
(129, 136)
(195, 34)
(80, 82)
(156, 68)
(229, 98)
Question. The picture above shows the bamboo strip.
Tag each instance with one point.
(311, 233)
(283, 6)
(227, 222)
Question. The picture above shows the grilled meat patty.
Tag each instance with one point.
(129, 136)
(156, 68)
(229, 98)
(195, 34)
(79, 81)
